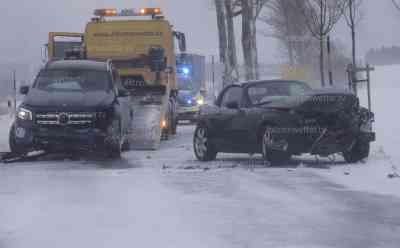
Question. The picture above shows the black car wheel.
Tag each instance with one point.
(203, 148)
(275, 157)
(16, 148)
(359, 151)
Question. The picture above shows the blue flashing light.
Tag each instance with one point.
(185, 70)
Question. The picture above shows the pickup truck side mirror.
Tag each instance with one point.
(181, 40)
(24, 90)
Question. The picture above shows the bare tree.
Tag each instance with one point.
(222, 34)
(230, 8)
(225, 10)
(396, 4)
(289, 27)
(321, 16)
(353, 16)
(250, 10)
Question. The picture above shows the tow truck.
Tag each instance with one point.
(141, 44)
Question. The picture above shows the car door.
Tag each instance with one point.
(229, 112)
(245, 124)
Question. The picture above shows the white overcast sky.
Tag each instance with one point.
(24, 24)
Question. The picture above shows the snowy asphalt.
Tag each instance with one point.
(167, 199)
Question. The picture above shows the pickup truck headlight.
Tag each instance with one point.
(200, 101)
(101, 116)
(24, 114)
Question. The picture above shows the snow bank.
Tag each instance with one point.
(372, 176)
(5, 124)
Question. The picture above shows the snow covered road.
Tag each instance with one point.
(166, 199)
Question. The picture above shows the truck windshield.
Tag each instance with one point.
(73, 80)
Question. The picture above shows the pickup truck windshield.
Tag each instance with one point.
(73, 80)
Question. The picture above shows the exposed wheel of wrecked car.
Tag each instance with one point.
(359, 151)
(274, 156)
(16, 148)
(203, 148)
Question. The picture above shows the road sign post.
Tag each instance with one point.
(354, 81)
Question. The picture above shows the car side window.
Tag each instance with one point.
(233, 94)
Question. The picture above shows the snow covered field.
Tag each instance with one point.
(372, 176)
(166, 198)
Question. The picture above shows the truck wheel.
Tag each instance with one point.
(174, 117)
(358, 152)
(14, 146)
(203, 148)
(174, 126)
(275, 157)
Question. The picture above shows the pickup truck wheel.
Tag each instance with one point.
(275, 157)
(126, 146)
(203, 148)
(115, 147)
(358, 152)
(14, 146)
(115, 151)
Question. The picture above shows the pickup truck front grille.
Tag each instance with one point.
(65, 118)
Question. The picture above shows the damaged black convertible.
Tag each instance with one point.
(279, 119)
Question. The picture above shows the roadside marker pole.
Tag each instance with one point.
(330, 73)
(369, 86)
(213, 75)
(15, 91)
(353, 80)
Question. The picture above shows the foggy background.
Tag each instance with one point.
(25, 24)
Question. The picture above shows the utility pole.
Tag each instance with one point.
(14, 79)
